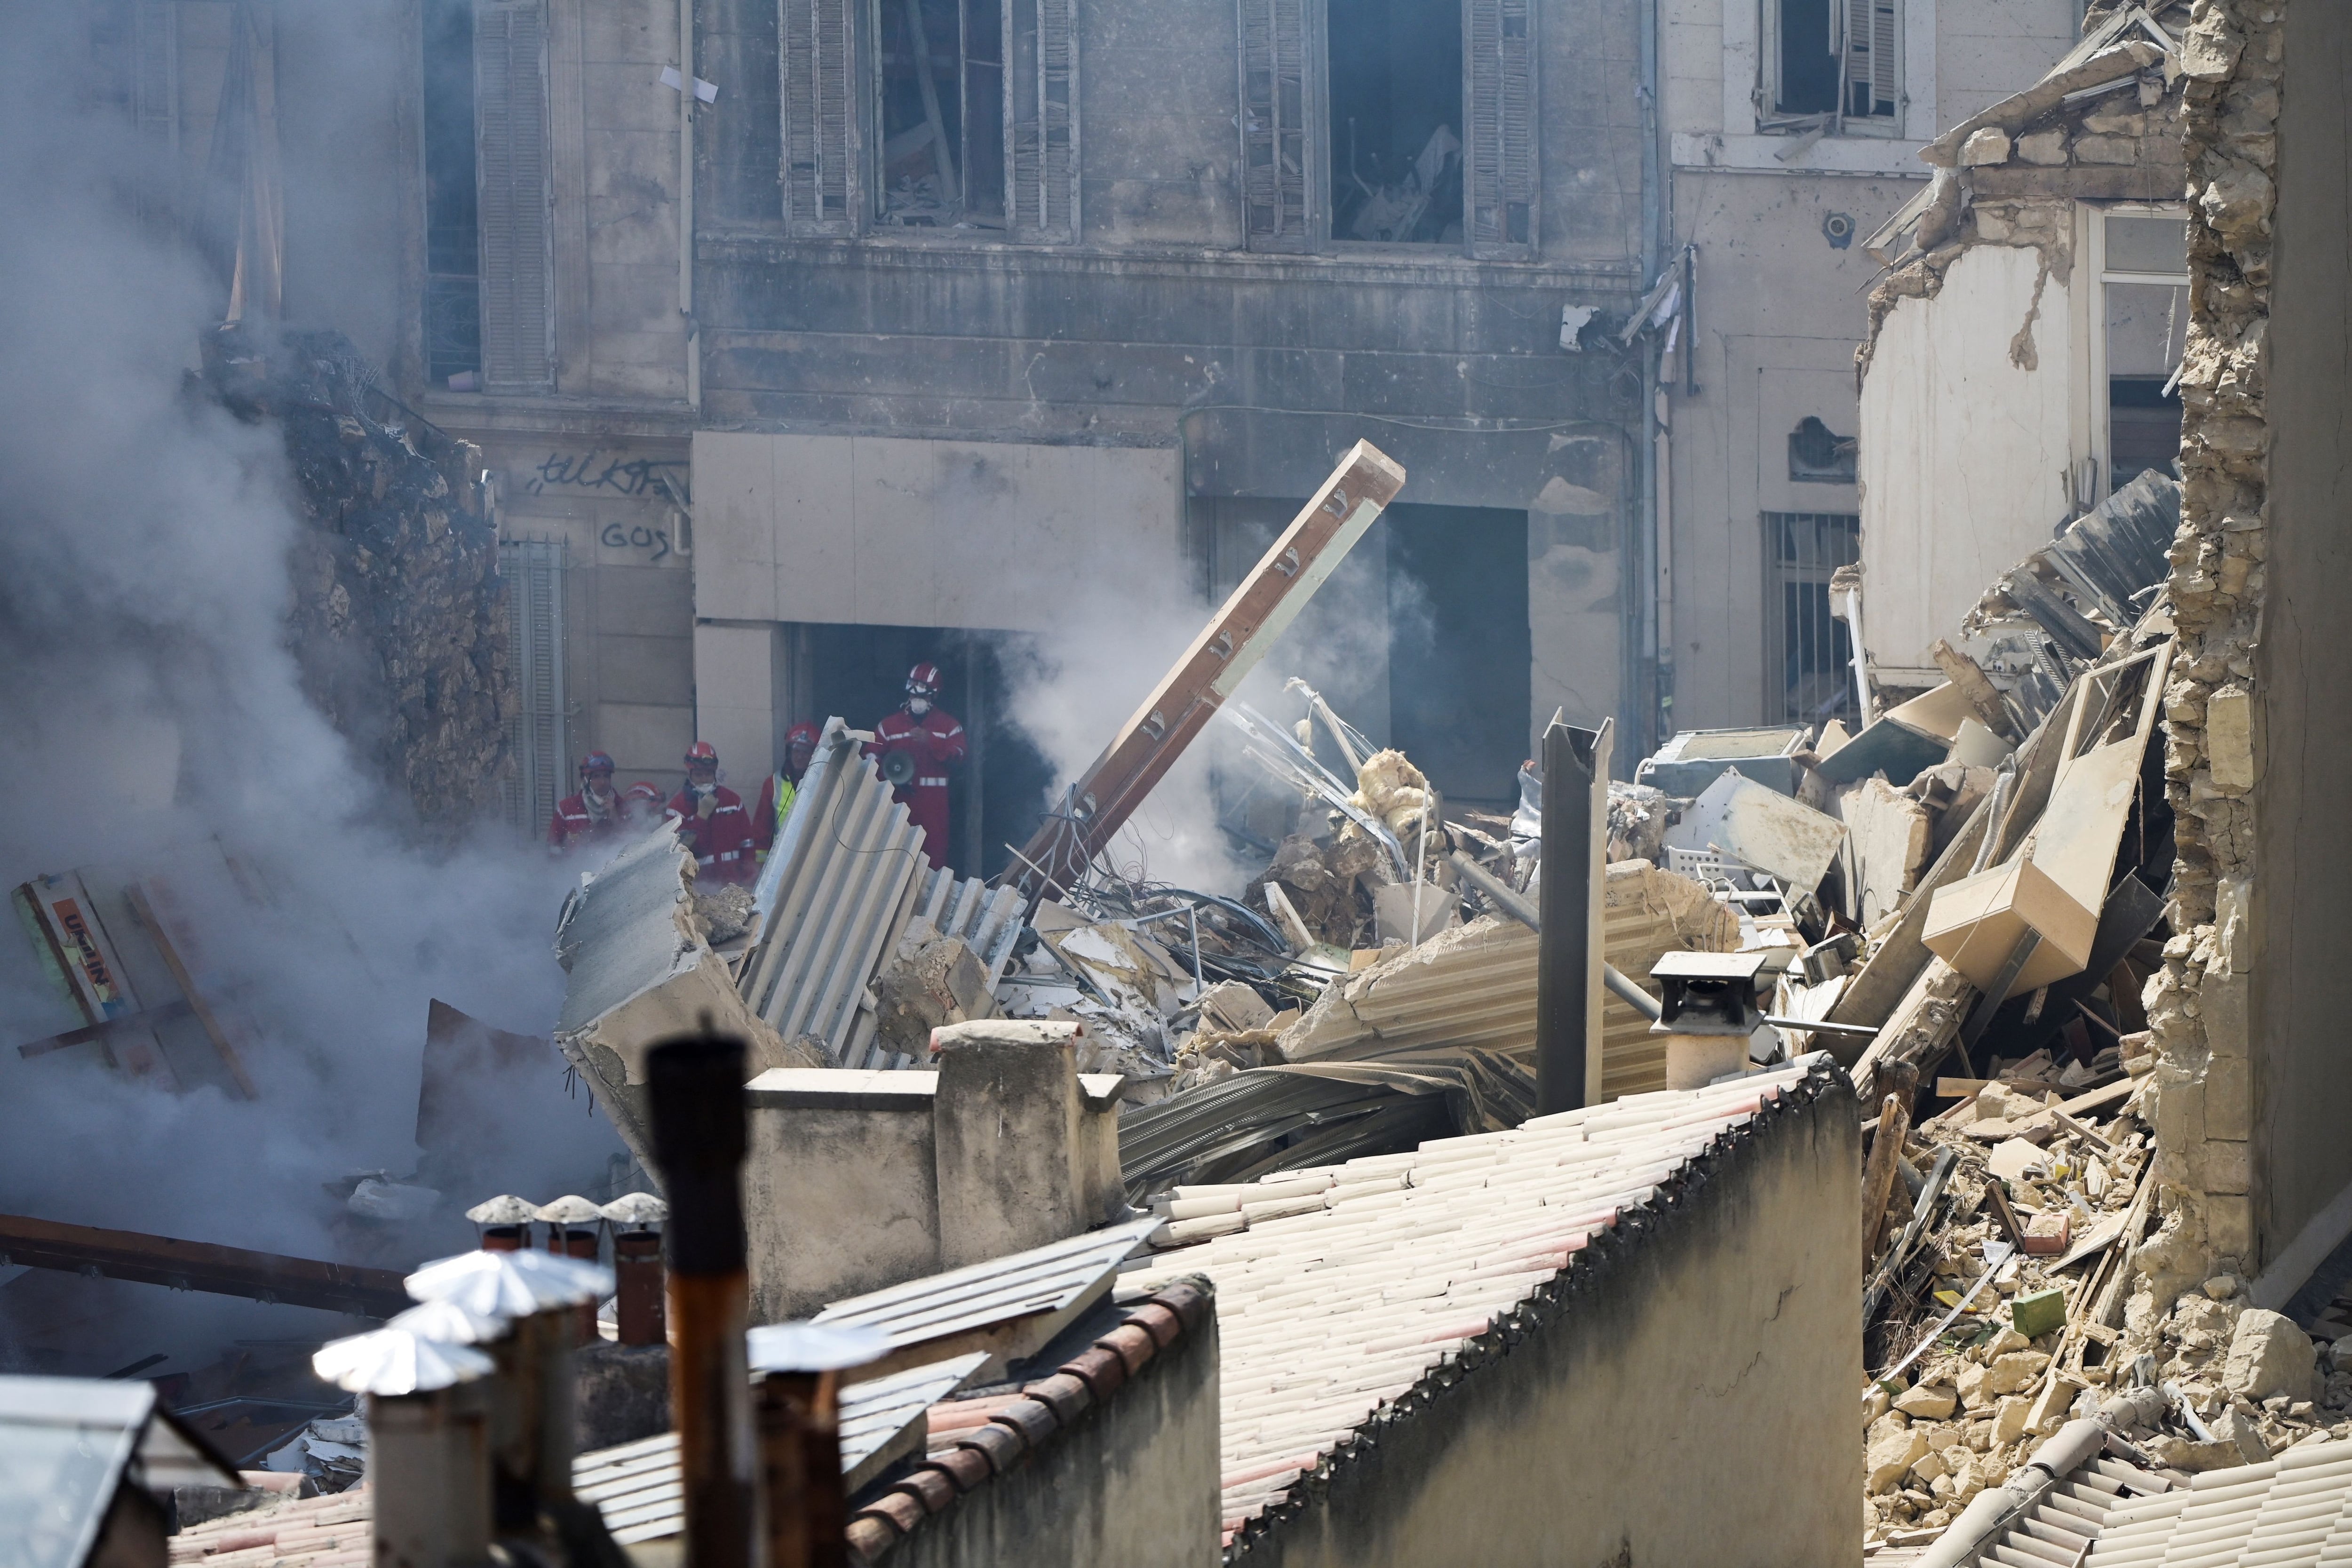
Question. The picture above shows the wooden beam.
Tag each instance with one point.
(170, 1011)
(1188, 695)
(201, 1266)
(162, 938)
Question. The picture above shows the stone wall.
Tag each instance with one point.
(398, 618)
(2197, 1006)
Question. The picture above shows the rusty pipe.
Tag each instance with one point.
(637, 1263)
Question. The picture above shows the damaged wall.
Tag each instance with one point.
(2247, 1011)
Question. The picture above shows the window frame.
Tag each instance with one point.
(1771, 120)
(2094, 236)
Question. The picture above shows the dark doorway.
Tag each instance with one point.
(1460, 648)
(1396, 120)
(859, 673)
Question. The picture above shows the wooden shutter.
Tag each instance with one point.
(156, 90)
(510, 139)
(821, 142)
(1275, 143)
(1041, 121)
(1874, 58)
(532, 570)
(1499, 179)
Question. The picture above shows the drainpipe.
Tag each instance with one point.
(1649, 674)
(696, 1084)
(685, 205)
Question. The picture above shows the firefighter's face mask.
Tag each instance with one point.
(702, 775)
(919, 701)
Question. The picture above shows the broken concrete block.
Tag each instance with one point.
(1928, 1468)
(2011, 1157)
(2003, 1343)
(2045, 148)
(1392, 912)
(1929, 1401)
(2037, 1312)
(1890, 832)
(2235, 1425)
(2014, 1371)
(2268, 1355)
(2009, 1421)
(2230, 738)
(2048, 1412)
(938, 984)
(1986, 146)
(1233, 1008)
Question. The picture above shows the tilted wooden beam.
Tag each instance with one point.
(1228, 649)
(201, 1266)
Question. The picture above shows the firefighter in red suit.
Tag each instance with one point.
(592, 814)
(932, 743)
(711, 820)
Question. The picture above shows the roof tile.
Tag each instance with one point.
(967, 1468)
(1163, 1324)
(1101, 1368)
(1031, 1420)
(898, 1509)
(1068, 1395)
(870, 1538)
(1002, 1447)
(1134, 1344)
(929, 1485)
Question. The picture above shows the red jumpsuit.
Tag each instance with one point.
(722, 842)
(935, 742)
(575, 823)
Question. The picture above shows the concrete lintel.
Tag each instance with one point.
(843, 1088)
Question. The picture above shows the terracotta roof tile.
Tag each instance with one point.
(1002, 1449)
(1031, 1420)
(899, 1510)
(1100, 1368)
(870, 1538)
(1068, 1395)
(1330, 1316)
(1163, 1325)
(967, 1468)
(931, 1487)
(1134, 1344)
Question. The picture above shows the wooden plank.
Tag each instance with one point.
(1227, 649)
(170, 1011)
(203, 1266)
(162, 938)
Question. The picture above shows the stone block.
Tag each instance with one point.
(1889, 1458)
(2225, 1166)
(2047, 148)
(2268, 1356)
(2228, 1098)
(2230, 1224)
(2107, 149)
(1929, 1401)
(2230, 739)
(2008, 1420)
(941, 982)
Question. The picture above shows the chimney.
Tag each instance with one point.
(530, 1409)
(503, 1224)
(575, 1229)
(695, 1085)
(428, 1442)
(638, 1266)
(798, 1407)
(1569, 942)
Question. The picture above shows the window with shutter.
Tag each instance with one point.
(532, 570)
(1874, 75)
(1499, 68)
(822, 182)
(511, 129)
(1833, 63)
(1041, 121)
(1273, 123)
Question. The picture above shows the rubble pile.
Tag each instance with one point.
(398, 620)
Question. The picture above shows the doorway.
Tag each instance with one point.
(1460, 649)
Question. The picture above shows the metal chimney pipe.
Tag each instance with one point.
(505, 1237)
(799, 1411)
(696, 1087)
(1568, 952)
(636, 1259)
(428, 1415)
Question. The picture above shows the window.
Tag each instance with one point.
(1819, 455)
(533, 572)
(966, 116)
(1834, 64)
(2144, 326)
(1396, 121)
(490, 319)
(1811, 670)
(452, 261)
(940, 92)
(1389, 123)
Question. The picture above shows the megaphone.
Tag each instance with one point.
(897, 768)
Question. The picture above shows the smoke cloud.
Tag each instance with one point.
(155, 723)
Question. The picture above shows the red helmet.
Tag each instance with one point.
(702, 752)
(641, 792)
(800, 733)
(924, 681)
(596, 762)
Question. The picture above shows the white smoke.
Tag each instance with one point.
(151, 718)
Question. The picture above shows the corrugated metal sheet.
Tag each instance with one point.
(846, 877)
(635, 1486)
(837, 891)
(1058, 1280)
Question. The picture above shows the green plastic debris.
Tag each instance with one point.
(2038, 1312)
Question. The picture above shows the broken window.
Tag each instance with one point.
(1819, 455)
(1832, 64)
(1811, 673)
(453, 260)
(2144, 284)
(1396, 120)
(517, 286)
(939, 90)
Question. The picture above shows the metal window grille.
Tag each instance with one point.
(1275, 143)
(1811, 677)
(518, 321)
(533, 572)
(1499, 108)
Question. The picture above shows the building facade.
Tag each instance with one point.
(1792, 131)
